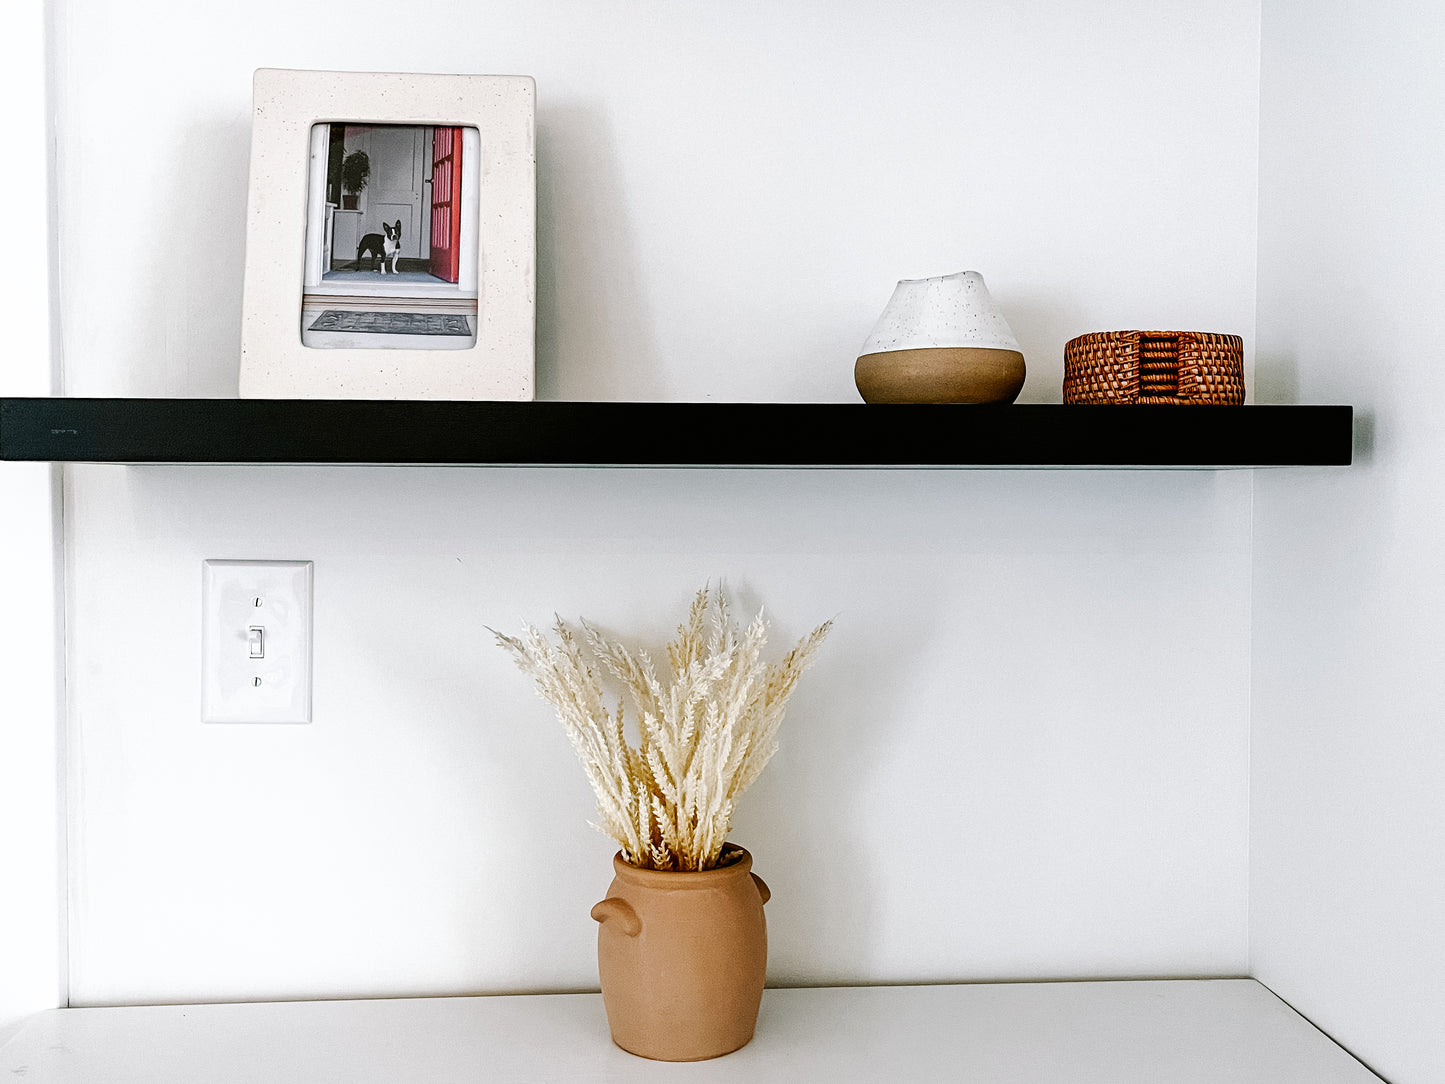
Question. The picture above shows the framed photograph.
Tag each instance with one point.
(390, 237)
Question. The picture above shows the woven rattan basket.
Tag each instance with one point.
(1168, 367)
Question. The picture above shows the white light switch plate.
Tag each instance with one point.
(252, 608)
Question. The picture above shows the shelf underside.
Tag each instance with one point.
(670, 434)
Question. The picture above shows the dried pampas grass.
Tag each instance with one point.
(704, 736)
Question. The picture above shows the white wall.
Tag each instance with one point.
(1348, 839)
(31, 884)
(1024, 752)
(727, 193)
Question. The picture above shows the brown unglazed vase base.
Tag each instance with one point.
(683, 958)
(940, 374)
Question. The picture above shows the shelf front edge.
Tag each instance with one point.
(746, 435)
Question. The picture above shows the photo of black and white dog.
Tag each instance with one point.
(381, 248)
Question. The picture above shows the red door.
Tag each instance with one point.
(446, 203)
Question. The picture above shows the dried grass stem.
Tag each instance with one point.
(704, 735)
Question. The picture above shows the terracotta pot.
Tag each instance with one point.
(682, 957)
(941, 374)
(941, 340)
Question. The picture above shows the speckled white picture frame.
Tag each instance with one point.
(287, 104)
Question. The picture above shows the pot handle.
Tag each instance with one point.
(619, 911)
(763, 889)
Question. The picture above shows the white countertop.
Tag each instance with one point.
(1156, 1032)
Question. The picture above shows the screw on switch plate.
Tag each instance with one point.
(256, 642)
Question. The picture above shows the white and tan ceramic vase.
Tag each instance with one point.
(941, 340)
(682, 958)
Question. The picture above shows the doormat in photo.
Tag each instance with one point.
(392, 323)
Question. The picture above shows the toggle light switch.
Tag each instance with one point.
(256, 642)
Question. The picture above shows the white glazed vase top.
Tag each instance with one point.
(948, 310)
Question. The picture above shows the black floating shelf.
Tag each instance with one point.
(670, 434)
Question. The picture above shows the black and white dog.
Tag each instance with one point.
(384, 248)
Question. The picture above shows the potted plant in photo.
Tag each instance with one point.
(682, 941)
(355, 172)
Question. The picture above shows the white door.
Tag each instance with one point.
(398, 168)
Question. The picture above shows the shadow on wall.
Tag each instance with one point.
(196, 277)
(1041, 322)
(593, 334)
(804, 817)
(594, 337)
(1276, 378)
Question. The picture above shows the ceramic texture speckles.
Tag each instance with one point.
(949, 310)
(941, 340)
(501, 364)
